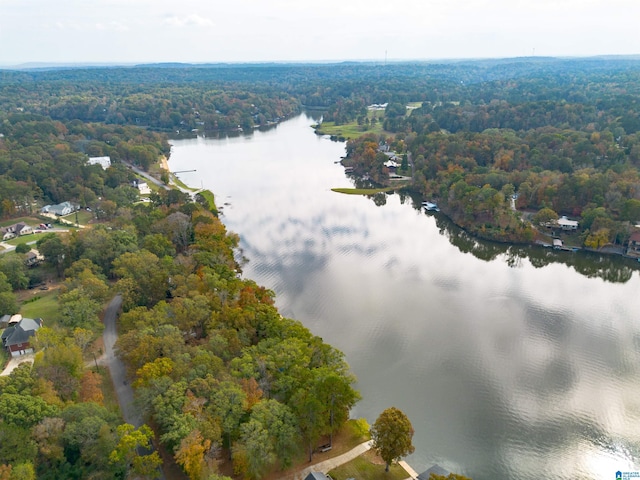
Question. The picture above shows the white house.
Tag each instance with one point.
(391, 164)
(566, 224)
(104, 162)
(144, 188)
(14, 230)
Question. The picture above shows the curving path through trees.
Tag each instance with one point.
(123, 390)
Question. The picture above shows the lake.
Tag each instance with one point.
(511, 363)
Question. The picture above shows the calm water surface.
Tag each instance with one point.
(510, 368)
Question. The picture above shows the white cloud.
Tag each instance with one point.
(192, 20)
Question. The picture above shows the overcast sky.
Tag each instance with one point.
(128, 31)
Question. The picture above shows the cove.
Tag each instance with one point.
(511, 362)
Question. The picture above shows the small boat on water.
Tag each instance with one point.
(430, 206)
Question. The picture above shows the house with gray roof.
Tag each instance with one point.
(15, 230)
(16, 338)
(436, 469)
(61, 209)
(316, 476)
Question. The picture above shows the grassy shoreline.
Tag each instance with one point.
(366, 191)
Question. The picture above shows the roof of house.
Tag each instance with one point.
(60, 208)
(104, 162)
(564, 221)
(437, 469)
(316, 476)
(21, 332)
(635, 237)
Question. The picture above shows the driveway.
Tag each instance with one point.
(123, 390)
(15, 361)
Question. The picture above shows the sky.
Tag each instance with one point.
(198, 31)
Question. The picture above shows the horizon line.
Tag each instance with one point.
(81, 63)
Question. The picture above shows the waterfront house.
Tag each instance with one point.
(565, 224)
(316, 476)
(17, 337)
(436, 470)
(633, 247)
(143, 188)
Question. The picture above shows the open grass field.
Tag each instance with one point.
(23, 239)
(33, 221)
(210, 198)
(348, 130)
(365, 191)
(368, 467)
(84, 217)
(45, 306)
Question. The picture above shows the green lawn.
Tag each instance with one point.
(362, 468)
(83, 217)
(32, 237)
(348, 130)
(4, 356)
(45, 307)
(28, 220)
(210, 198)
(365, 191)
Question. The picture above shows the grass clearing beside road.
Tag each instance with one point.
(45, 306)
(347, 130)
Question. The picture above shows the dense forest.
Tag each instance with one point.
(218, 372)
(559, 134)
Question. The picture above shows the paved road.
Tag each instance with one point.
(147, 176)
(124, 392)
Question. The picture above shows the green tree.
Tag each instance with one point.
(280, 422)
(544, 216)
(80, 311)
(22, 248)
(391, 435)
(23, 410)
(254, 450)
(8, 303)
(148, 274)
(228, 404)
(16, 445)
(334, 390)
(130, 443)
(54, 251)
(312, 418)
(13, 267)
